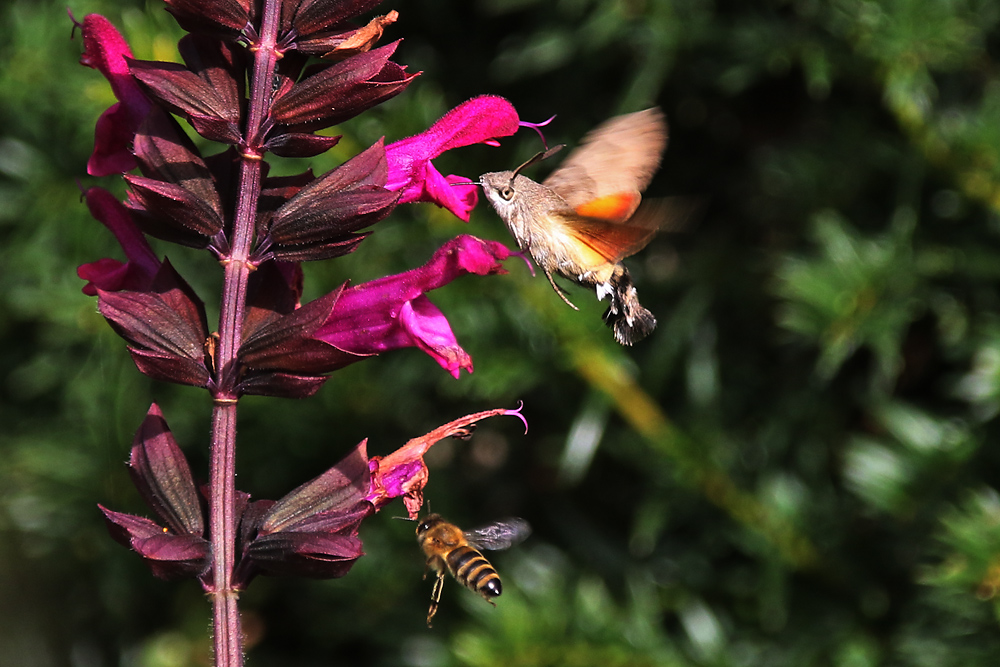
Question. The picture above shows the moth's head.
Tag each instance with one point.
(503, 187)
(499, 187)
(516, 198)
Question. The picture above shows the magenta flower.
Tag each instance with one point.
(403, 474)
(393, 312)
(111, 275)
(106, 51)
(479, 120)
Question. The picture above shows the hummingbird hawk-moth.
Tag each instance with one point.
(585, 218)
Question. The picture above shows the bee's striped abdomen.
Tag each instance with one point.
(472, 570)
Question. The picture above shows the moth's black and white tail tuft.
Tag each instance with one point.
(629, 320)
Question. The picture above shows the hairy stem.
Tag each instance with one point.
(222, 521)
(222, 504)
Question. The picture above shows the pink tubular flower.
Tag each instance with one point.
(106, 50)
(403, 473)
(393, 312)
(110, 275)
(479, 120)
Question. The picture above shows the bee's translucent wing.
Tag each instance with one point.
(499, 535)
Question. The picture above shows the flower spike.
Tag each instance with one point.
(268, 78)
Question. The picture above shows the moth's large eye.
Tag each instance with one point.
(507, 193)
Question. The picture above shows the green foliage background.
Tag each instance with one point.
(800, 467)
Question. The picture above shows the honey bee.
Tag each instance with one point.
(450, 549)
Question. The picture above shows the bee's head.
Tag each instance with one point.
(428, 522)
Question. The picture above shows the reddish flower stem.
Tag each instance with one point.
(227, 636)
(222, 522)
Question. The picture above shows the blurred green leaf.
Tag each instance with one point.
(860, 293)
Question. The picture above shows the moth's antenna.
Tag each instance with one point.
(537, 157)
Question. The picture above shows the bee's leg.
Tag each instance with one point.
(559, 291)
(435, 597)
(433, 563)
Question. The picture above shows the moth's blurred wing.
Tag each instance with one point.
(619, 156)
(601, 241)
(613, 241)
